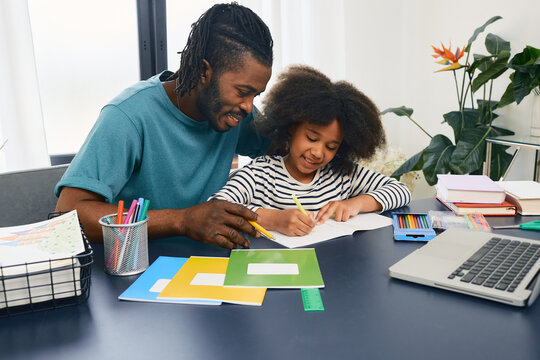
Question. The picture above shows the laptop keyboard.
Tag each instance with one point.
(500, 264)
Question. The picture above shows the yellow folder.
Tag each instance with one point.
(202, 278)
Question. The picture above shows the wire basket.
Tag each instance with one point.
(44, 285)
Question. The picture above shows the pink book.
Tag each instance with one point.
(469, 189)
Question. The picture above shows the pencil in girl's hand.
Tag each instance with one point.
(300, 207)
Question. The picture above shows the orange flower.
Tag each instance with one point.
(448, 57)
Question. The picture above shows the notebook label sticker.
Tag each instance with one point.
(208, 279)
(272, 269)
(159, 285)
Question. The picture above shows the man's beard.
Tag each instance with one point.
(209, 105)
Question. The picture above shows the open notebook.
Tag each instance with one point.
(491, 266)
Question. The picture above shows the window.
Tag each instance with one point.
(86, 53)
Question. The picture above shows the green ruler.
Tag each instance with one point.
(312, 299)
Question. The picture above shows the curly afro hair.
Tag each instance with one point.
(304, 94)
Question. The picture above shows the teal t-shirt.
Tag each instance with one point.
(143, 146)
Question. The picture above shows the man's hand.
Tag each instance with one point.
(219, 222)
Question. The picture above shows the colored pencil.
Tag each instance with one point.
(262, 230)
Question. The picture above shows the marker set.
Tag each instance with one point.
(442, 220)
(125, 239)
(412, 227)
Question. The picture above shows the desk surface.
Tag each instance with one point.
(367, 315)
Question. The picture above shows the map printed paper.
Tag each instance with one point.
(52, 239)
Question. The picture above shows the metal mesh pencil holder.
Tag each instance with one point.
(125, 246)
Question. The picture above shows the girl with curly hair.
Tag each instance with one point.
(319, 131)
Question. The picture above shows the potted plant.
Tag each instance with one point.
(471, 125)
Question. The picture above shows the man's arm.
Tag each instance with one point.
(218, 222)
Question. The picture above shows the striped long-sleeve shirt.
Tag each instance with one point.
(266, 183)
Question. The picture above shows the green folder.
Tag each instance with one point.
(274, 268)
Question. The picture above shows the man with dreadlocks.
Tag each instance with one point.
(171, 139)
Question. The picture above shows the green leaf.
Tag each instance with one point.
(508, 96)
(399, 111)
(470, 151)
(521, 61)
(481, 62)
(413, 164)
(485, 112)
(498, 131)
(481, 29)
(485, 103)
(437, 158)
(460, 120)
(531, 70)
(495, 44)
(498, 67)
(523, 83)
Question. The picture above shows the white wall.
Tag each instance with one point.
(389, 57)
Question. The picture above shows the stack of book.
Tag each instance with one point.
(524, 194)
(473, 194)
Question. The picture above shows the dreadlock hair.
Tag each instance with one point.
(222, 36)
(303, 94)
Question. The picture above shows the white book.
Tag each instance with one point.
(525, 194)
(469, 189)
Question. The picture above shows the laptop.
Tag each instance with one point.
(491, 266)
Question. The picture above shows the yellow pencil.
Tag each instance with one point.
(261, 230)
(300, 207)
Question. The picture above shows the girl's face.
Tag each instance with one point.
(312, 147)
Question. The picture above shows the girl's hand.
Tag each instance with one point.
(343, 210)
(292, 222)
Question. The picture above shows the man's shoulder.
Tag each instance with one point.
(141, 88)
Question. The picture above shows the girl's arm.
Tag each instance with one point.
(370, 191)
(238, 189)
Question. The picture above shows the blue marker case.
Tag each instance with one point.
(412, 227)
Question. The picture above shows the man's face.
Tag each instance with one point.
(228, 98)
